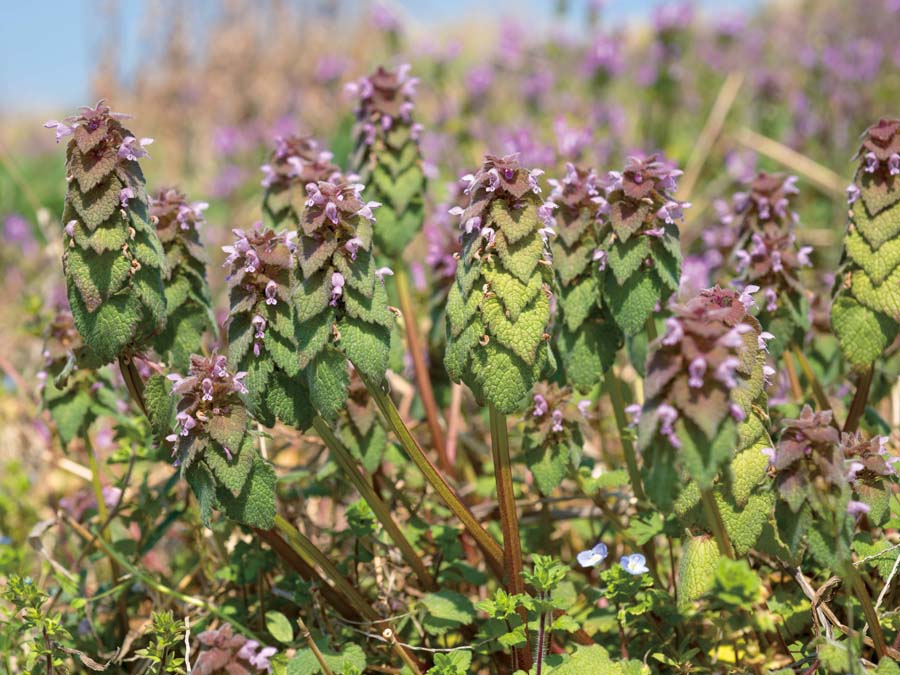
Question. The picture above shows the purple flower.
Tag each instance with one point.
(133, 149)
(124, 195)
(857, 509)
(382, 272)
(852, 194)
(337, 287)
(635, 564)
(271, 290)
(557, 418)
(593, 556)
(894, 164)
(763, 339)
(725, 372)
(207, 387)
(600, 258)
(667, 416)
(540, 406)
(674, 332)
(696, 370)
(634, 412)
(871, 162)
(584, 406)
(62, 130)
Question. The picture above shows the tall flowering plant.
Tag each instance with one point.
(589, 338)
(341, 303)
(113, 259)
(387, 157)
(498, 309)
(865, 315)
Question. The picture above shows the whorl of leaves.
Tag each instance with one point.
(772, 263)
(640, 253)
(113, 259)
(387, 156)
(341, 303)
(552, 438)
(295, 161)
(765, 205)
(704, 392)
(214, 447)
(498, 308)
(588, 336)
(865, 315)
(188, 299)
(262, 331)
(73, 392)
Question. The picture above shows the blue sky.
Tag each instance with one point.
(47, 47)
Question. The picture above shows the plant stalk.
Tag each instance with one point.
(509, 521)
(484, 540)
(818, 390)
(314, 648)
(133, 382)
(423, 379)
(860, 398)
(862, 594)
(348, 465)
(716, 523)
(618, 404)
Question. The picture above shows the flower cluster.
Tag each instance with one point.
(113, 259)
(866, 311)
(341, 304)
(705, 376)
(213, 446)
(387, 156)
(233, 654)
(295, 162)
(765, 204)
(188, 298)
(589, 339)
(261, 331)
(498, 308)
(639, 256)
(552, 438)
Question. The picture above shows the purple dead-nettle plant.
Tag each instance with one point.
(705, 398)
(387, 156)
(113, 259)
(638, 240)
(295, 162)
(341, 304)
(589, 339)
(552, 438)
(71, 389)
(226, 653)
(773, 262)
(214, 447)
(188, 297)
(765, 204)
(263, 276)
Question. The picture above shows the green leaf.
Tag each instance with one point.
(522, 336)
(549, 462)
(70, 412)
(203, 485)
(522, 257)
(632, 303)
(350, 655)
(255, 505)
(228, 429)
(279, 626)
(445, 611)
(96, 276)
(288, 399)
(862, 333)
(514, 223)
(366, 345)
(696, 569)
(625, 258)
(313, 335)
(160, 404)
(702, 457)
(328, 379)
(312, 296)
(503, 378)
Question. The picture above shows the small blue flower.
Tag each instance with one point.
(593, 556)
(634, 564)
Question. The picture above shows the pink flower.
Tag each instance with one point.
(133, 149)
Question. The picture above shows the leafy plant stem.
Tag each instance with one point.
(423, 379)
(818, 390)
(484, 540)
(133, 382)
(347, 464)
(858, 405)
(313, 556)
(618, 404)
(716, 523)
(152, 583)
(509, 520)
(313, 647)
(862, 594)
(796, 389)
